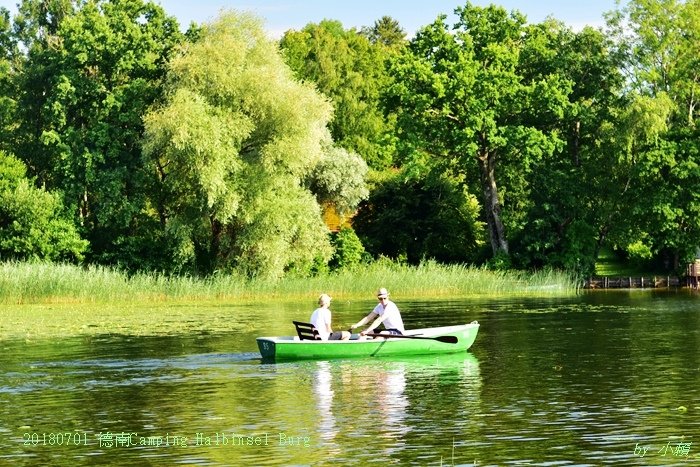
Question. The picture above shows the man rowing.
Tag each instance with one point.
(386, 312)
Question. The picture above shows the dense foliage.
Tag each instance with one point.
(231, 148)
(33, 224)
(347, 67)
(416, 219)
(91, 70)
(491, 140)
(463, 95)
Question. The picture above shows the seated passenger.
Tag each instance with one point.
(321, 319)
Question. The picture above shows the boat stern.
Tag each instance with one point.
(469, 336)
(267, 347)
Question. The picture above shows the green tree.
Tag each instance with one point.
(661, 40)
(417, 218)
(231, 149)
(386, 32)
(39, 20)
(461, 96)
(351, 71)
(12, 171)
(348, 250)
(339, 180)
(32, 221)
(92, 69)
(8, 57)
(579, 196)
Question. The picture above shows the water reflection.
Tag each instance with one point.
(581, 381)
(396, 403)
(392, 402)
(323, 392)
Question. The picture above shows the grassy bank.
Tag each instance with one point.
(57, 283)
(611, 265)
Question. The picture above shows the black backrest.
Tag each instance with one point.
(306, 331)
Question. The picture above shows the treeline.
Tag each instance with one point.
(125, 141)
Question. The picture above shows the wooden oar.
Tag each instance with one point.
(445, 339)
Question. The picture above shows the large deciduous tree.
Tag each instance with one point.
(461, 96)
(662, 41)
(92, 69)
(232, 148)
(349, 69)
(580, 194)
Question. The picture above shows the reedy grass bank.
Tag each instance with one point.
(24, 283)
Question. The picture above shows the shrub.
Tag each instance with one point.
(348, 249)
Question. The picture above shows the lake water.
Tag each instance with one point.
(601, 378)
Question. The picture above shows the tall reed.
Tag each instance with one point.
(54, 283)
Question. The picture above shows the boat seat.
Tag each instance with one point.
(306, 331)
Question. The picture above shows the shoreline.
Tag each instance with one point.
(46, 283)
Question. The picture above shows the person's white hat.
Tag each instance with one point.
(382, 293)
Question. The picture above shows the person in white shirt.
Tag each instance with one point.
(386, 312)
(321, 319)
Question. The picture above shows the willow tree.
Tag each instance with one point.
(231, 149)
(461, 96)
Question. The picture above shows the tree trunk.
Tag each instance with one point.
(575, 146)
(676, 261)
(492, 205)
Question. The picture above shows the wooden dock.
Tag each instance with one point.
(693, 274)
(691, 280)
(652, 282)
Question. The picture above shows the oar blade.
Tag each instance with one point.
(447, 339)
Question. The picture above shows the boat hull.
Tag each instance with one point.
(291, 348)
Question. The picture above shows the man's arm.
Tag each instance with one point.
(375, 324)
(364, 320)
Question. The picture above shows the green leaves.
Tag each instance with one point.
(659, 124)
(463, 94)
(32, 222)
(232, 147)
(348, 68)
(91, 70)
(415, 219)
(215, 150)
(192, 141)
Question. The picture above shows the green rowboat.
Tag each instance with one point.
(452, 339)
